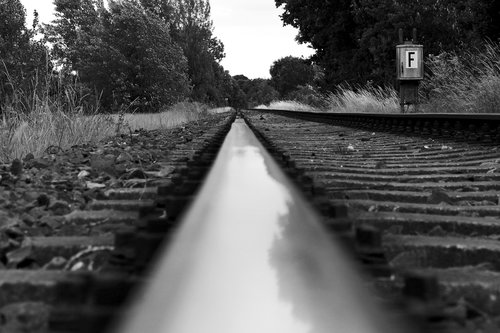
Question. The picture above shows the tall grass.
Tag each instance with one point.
(36, 118)
(464, 82)
(173, 116)
(45, 112)
(367, 99)
(46, 127)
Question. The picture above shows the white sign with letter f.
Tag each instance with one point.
(411, 59)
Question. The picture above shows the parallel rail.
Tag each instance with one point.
(316, 115)
(429, 183)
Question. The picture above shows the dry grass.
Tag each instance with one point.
(287, 105)
(178, 114)
(367, 100)
(467, 82)
(34, 133)
(221, 110)
(48, 126)
(56, 112)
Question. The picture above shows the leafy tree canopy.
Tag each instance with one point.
(20, 55)
(126, 54)
(289, 73)
(355, 39)
(256, 91)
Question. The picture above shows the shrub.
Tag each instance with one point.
(308, 95)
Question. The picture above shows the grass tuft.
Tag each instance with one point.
(287, 105)
(173, 116)
(46, 127)
(466, 82)
(367, 100)
(32, 121)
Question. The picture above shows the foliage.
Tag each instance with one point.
(256, 91)
(288, 73)
(150, 68)
(307, 95)
(464, 82)
(133, 54)
(236, 97)
(355, 39)
(76, 21)
(125, 54)
(192, 30)
(21, 57)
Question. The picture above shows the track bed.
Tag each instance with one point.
(432, 193)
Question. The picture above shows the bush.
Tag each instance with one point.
(309, 96)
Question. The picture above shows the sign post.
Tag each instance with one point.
(409, 69)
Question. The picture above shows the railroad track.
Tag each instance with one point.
(428, 183)
(411, 200)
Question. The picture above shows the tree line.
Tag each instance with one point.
(355, 39)
(140, 55)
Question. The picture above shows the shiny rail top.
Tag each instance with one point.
(252, 257)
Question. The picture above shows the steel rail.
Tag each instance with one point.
(252, 256)
(494, 118)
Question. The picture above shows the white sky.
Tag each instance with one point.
(251, 30)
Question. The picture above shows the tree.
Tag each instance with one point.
(329, 26)
(256, 91)
(191, 27)
(355, 39)
(289, 73)
(21, 57)
(12, 25)
(163, 9)
(152, 71)
(446, 25)
(192, 30)
(76, 21)
(125, 54)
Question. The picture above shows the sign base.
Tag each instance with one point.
(408, 94)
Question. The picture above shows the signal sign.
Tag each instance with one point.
(409, 62)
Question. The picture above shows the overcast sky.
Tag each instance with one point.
(251, 30)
